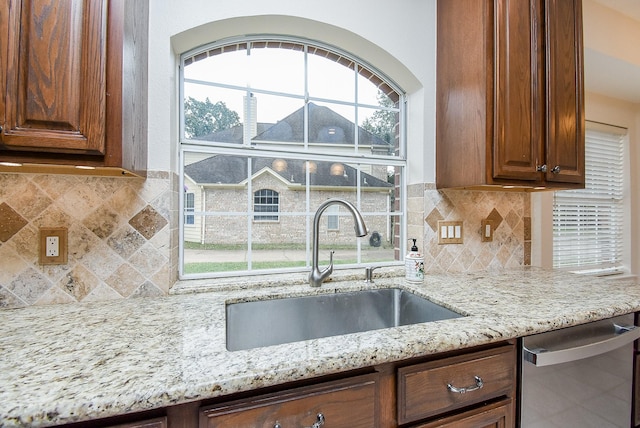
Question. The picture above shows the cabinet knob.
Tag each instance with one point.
(541, 168)
(556, 169)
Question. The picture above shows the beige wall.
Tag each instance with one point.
(121, 236)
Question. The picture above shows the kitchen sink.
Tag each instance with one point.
(278, 321)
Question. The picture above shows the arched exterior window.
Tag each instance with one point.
(273, 126)
(266, 205)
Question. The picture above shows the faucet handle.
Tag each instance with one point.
(329, 269)
(368, 274)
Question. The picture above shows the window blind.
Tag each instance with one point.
(588, 223)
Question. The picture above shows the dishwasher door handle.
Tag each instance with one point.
(540, 356)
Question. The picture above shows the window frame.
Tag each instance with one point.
(333, 218)
(268, 216)
(310, 152)
(189, 208)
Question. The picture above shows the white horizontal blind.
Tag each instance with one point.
(588, 223)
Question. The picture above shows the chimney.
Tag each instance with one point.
(250, 118)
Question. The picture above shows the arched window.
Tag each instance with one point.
(262, 113)
(266, 205)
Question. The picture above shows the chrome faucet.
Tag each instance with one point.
(316, 277)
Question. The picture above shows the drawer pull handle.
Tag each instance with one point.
(479, 384)
(317, 424)
(319, 421)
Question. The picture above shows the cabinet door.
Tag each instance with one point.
(499, 415)
(349, 403)
(565, 91)
(54, 60)
(518, 139)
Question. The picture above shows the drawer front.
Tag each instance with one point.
(496, 415)
(151, 423)
(423, 389)
(350, 404)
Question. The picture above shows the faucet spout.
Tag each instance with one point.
(317, 276)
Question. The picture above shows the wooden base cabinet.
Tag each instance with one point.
(509, 94)
(73, 86)
(433, 393)
(635, 404)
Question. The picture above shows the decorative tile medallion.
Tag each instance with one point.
(10, 222)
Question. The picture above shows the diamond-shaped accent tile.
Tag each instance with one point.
(10, 222)
(495, 217)
(148, 222)
(433, 218)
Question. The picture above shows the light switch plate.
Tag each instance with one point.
(450, 232)
(487, 230)
(53, 246)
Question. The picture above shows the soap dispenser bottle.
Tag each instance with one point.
(414, 264)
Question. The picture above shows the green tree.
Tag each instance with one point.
(382, 123)
(204, 117)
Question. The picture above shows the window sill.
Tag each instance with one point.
(190, 286)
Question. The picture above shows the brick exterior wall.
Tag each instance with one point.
(232, 229)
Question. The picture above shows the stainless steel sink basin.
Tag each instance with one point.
(277, 321)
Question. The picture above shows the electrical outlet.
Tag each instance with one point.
(53, 246)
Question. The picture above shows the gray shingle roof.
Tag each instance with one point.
(325, 126)
(232, 169)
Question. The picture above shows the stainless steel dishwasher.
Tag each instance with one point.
(579, 377)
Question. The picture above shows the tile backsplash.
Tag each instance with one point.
(510, 213)
(119, 237)
(123, 235)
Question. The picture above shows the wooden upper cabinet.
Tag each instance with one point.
(518, 138)
(73, 88)
(565, 92)
(510, 106)
(56, 76)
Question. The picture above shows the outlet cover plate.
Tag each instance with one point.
(61, 234)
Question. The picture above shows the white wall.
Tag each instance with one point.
(612, 67)
(398, 40)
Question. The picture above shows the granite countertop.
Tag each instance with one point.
(75, 362)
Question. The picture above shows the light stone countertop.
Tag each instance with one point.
(75, 362)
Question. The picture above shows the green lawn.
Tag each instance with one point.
(207, 267)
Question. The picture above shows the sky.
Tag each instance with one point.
(282, 71)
